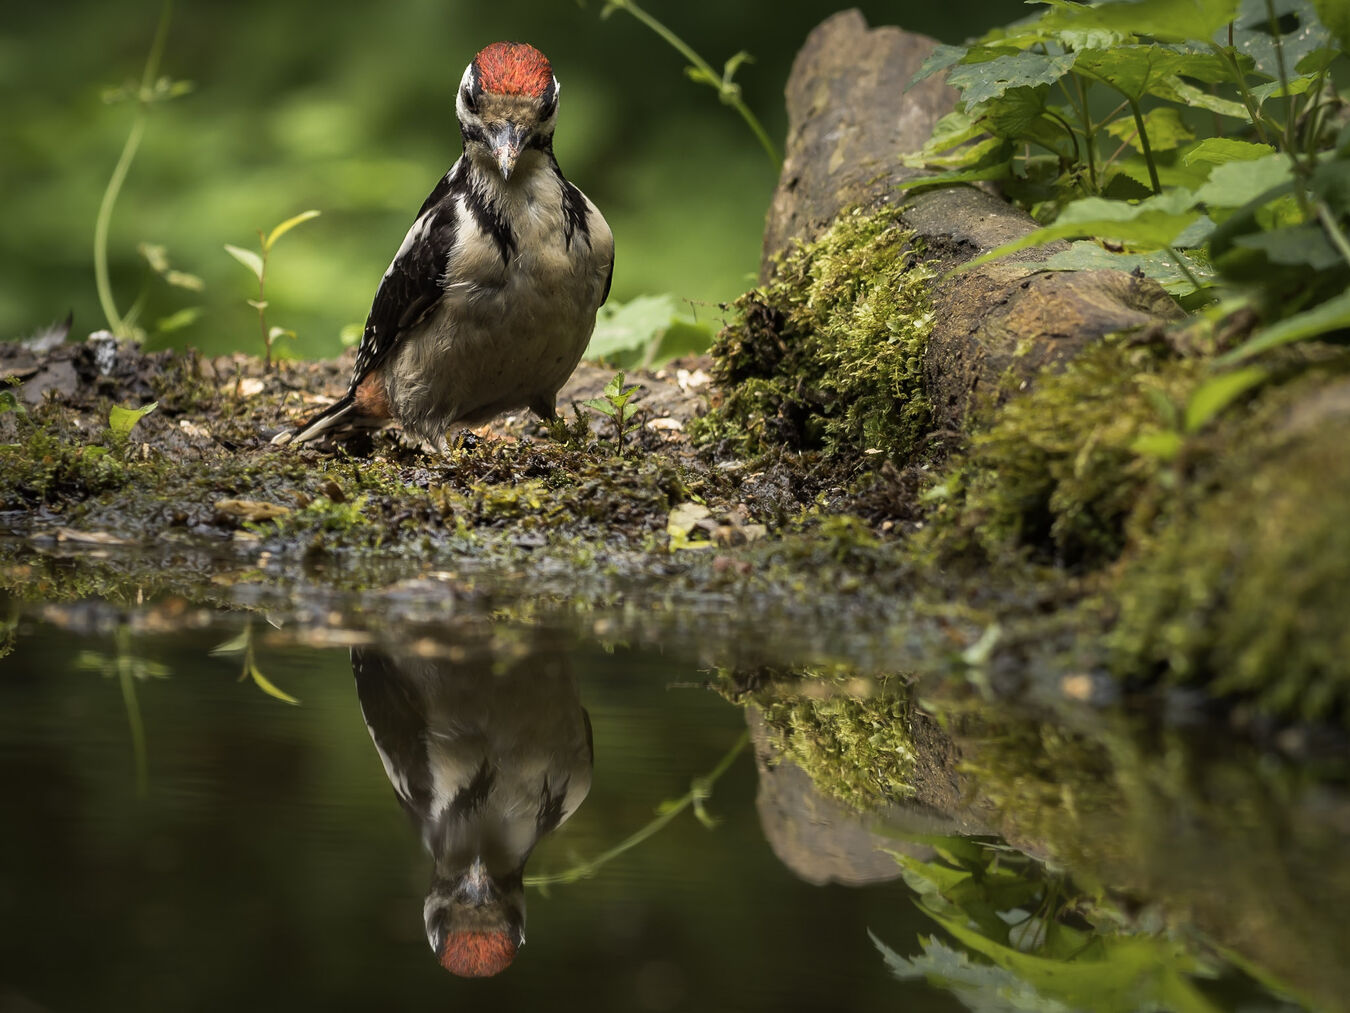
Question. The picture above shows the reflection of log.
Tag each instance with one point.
(850, 117)
(822, 840)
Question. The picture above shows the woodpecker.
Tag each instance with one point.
(485, 763)
(491, 298)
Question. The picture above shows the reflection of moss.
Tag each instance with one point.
(828, 354)
(851, 736)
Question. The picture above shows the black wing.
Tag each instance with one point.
(413, 283)
(396, 717)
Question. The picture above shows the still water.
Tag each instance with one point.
(204, 812)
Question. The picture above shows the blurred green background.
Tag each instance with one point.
(347, 108)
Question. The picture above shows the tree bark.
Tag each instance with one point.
(851, 115)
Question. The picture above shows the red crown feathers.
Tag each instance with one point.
(513, 68)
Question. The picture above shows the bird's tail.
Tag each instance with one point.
(340, 416)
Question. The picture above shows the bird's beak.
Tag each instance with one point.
(506, 141)
(476, 886)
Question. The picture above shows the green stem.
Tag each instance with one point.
(1334, 230)
(1144, 146)
(695, 796)
(1185, 268)
(728, 94)
(116, 322)
(1240, 79)
(105, 209)
(1089, 135)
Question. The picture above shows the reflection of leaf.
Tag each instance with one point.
(266, 685)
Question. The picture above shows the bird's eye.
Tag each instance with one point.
(469, 102)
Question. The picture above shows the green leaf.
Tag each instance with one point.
(939, 59)
(1088, 256)
(1164, 20)
(1174, 89)
(1151, 224)
(1222, 150)
(1132, 70)
(1234, 184)
(980, 82)
(646, 331)
(1252, 35)
(286, 226)
(235, 645)
(177, 321)
(1296, 245)
(1332, 315)
(122, 420)
(248, 258)
(1335, 14)
(1275, 89)
(1164, 125)
(1217, 393)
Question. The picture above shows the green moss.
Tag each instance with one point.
(828, 355)
(1246, 587)
(1060, 472)
(52, 463)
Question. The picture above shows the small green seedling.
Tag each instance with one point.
(613, 404)
(257, 263)
(9, 398)
(121, 421)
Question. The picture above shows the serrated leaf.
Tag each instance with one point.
(939, 59)
(248, 258)
(1222, 150)
(1174, 89)
(1133, 70)
(1151, 224)
(1164, 20)
(286, 226)
(980, 82)
(1217, 393)
(1088, 256)
(1234, 184)
(122, 420)
(1332, 315)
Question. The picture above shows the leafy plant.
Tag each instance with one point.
(121, 421)
(613, 403)
(700, 790)
(9, 399)
(152, 90)
(257, 263)
(1092, 118)
(701, 71)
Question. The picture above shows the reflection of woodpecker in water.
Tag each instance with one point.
(486, 764)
